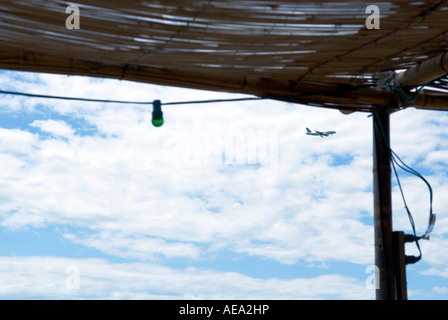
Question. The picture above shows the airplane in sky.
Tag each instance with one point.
(319, 133)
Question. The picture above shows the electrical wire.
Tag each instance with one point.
(279, 97)
(411, 219)
(403, 94)
(396, 161)
(44, 96)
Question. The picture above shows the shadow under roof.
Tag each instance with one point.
(317, 53)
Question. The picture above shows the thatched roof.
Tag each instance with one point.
(260, 47)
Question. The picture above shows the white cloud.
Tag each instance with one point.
(56, 128)
(16, 142)
(57, 278)
(127, 177)
(135, 246)
(136, 190)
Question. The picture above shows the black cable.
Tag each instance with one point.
(411, 219)
(214, 101)
(279, 97)
(396, 160)
(44, 96)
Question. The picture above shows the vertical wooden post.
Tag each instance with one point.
(399, 266)
(383, 206)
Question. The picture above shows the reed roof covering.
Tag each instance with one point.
(318, 53)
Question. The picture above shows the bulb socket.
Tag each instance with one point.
(157, 114)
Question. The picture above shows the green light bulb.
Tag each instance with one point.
(157, 114)
(157, 122)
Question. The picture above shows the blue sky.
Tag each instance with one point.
(225, 201)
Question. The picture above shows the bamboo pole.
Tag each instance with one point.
(399, 265)
(389, 246)
(425, 72)
(383, 207)
(349, 100)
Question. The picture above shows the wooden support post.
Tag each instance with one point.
(383, 206)
(389, 246)
(399, 266)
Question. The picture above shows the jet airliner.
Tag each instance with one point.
(319, 133)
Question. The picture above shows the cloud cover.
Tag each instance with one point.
(197, 188)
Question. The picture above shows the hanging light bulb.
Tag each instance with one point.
(157, 114)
